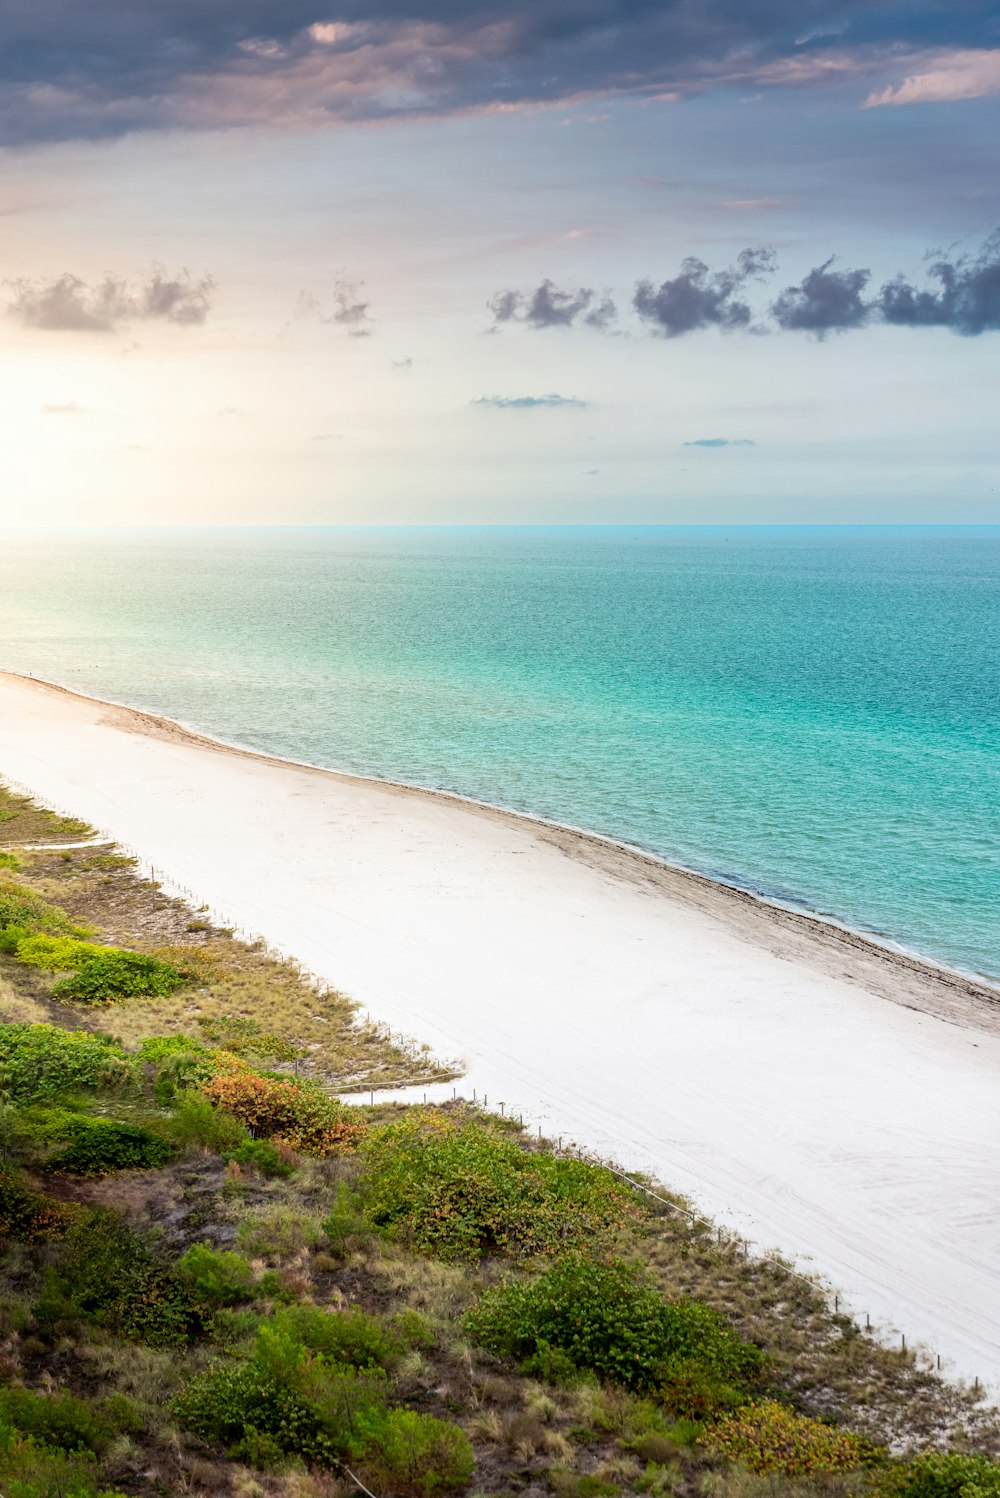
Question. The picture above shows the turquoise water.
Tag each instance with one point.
(810, 712)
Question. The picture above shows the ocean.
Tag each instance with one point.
(812, 713)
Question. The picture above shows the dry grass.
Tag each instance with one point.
(22, 820)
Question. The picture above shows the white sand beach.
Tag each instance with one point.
(820, 1095)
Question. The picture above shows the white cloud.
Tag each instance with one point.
(952, 76)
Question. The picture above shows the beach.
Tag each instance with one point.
(821, 1095)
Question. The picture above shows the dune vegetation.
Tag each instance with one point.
(220, 1278)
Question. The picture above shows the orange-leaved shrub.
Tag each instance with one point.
(298, 1114)
(768, 1437)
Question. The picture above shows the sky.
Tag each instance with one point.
(433, 261)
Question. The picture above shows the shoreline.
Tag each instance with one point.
(864, 945)
(806, 1086)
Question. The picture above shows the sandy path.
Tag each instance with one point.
(822, 1096)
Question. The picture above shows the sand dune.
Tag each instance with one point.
(821, 1095)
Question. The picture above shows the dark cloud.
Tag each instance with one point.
(825, 301)
(549, 307)
(68, 304)
(526, 402)
(966, 299)
(107, 67)
(721, 442)
(701, 298)
(964, 295)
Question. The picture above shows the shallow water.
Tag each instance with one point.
(811, 712)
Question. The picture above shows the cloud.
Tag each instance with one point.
(111, 67)
(65, 408)
(701, 298)
(964, 295)
(404, 363)
(549, 307)
(824, 301)
(68, 304)
(721, 442)
(345, 308)
(967, 298)
(527, 402)
(950, 77)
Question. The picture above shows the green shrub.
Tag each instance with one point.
(769, 1438)
(28, 1470)
(120, 1280)
(289, 1399)
(157, 1048)
(299, 1413)
(462, 1190)
(101, 1145)
(54, 953)
(605, 1318)
(215, 1278)
(234, 1327)
(413, 1331)
(264, 1156)
(346, 1228)
(44, 1061)
(181, 1065)
(194, 1122)
(941, 1474)
(416, 1454)
(122, 1415)
(25, 1216)
(9, 861)
(110, 974)
(54, 1419)
(348, 1337)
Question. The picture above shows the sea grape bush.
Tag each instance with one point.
(44, 1061)
(769, 1438)
(583, 1315)
(110, 974)
(460, 1190)
(100, 1145)
(54, 953)
(298, 1114)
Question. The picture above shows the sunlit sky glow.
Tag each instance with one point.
(424, 261)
